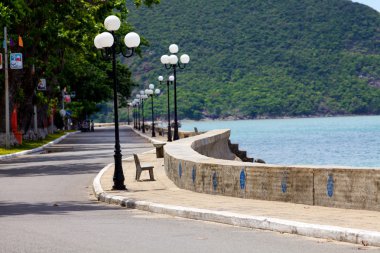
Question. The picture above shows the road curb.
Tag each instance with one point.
(39, 149)
(357, 236)
(143, 135)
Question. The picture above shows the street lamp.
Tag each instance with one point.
(143, 96)
(110, 46)
(129, 104)
(138, 98)
(170, 80)
(133, 113)
(150, 93)
(135, 106)
(172, 62)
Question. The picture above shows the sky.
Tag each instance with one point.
(375, 4)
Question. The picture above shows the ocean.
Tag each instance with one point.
(342, 141)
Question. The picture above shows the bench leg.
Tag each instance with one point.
(151, 175)
(138, 174)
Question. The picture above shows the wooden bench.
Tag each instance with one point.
(140, 168)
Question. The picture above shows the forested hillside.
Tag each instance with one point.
(274, 58)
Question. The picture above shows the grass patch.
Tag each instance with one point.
(27, 145)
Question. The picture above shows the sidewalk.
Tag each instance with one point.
(162, 196)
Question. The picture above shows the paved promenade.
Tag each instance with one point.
(356, 226)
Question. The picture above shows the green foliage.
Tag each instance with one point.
(28, 145)
(254, 58)
(58, 46)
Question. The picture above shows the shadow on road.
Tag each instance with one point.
(67, 169)
(60, 208)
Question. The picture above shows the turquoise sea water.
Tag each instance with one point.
(345, 141)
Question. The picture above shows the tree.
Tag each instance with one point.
(58, 45)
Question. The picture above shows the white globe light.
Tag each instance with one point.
(184, 59)
(157, 91)
(160, 78)
(112, 23)
(106, 39)
(151, 86)
(171, 78)
(142, 92)
(62, 112)
(173, 48)
(165, 59)
(132, 40)
(145, 96)
(147, 92)
(138, 95)
(173, 59)
(97, 41)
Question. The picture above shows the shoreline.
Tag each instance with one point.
(283, 117)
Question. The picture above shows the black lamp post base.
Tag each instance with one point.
(118, 176)
(169, 134)
(119, 187)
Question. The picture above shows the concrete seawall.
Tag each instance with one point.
(204, 163)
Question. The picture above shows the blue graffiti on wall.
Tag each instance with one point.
(284, 182)
(180, 169)
(330, 186)
(242, 179)
(193, 174)
(214, 181)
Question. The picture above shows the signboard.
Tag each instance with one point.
(67, 98)
(1, 61)
(16, 60)
(41, 84)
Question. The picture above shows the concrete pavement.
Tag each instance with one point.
(162, 196)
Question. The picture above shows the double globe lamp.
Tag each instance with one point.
(150, 93)
(110, 45)
(171, 62)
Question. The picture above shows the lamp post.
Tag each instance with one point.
(170, 80)
(128, 107)
(138, 97)
(134, 104)
(110, 46)
(150, 93)
(133, 113)
(143, 96)
(171, 62)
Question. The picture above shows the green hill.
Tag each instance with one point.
(274, 58)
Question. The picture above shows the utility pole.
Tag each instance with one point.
(7, 129)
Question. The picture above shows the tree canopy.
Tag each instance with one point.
(58, 45)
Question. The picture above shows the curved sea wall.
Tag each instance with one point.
(204, 163)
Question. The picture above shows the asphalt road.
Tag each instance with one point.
(46, 205)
